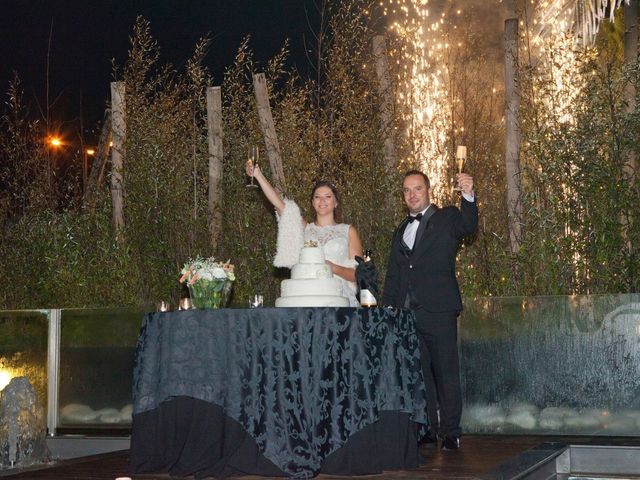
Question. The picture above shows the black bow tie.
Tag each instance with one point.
(417, 217)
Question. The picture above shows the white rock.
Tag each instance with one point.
(108, 415)
(557, 412)
(126, 413)
(484, 416)
(600, 414)
(621, 423)
(551, 423)
(78, 413)
(553, 418)
(635, 414)
(522, 419)
(582, 421)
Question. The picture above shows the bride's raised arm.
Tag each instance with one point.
(290, 223)
(271, 193)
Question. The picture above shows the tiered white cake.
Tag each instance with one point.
(311, 284)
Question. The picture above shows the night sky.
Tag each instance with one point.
(87, 34)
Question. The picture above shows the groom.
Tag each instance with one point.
(421, 275)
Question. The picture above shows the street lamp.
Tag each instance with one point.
(5, 378)
(89, 152)
(54, 144)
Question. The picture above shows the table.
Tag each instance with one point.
(277, 392)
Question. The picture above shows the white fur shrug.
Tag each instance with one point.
(290, 235)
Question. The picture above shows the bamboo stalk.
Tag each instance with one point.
(385, 90)
(214, 137)
(512, 133)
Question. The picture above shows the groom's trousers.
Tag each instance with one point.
(438, 334)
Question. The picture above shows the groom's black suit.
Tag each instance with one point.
(424, 278)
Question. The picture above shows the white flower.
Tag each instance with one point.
(218, 272)
(206, 269)
(205, 275)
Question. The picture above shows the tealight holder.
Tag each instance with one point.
(163, 306)
(185, 304)
(256, 301)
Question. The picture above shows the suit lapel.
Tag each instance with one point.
(423, 234)
(403, 246)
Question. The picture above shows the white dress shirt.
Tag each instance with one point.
(409, 235)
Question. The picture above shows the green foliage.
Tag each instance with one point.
(580, 220)
(165, 165)
(581, 217)
(52, 260)
(25, 176)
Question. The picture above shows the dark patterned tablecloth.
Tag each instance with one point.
(299, 381)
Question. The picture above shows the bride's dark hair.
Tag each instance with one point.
(337, 213)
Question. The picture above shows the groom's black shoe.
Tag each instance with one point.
(450, 443)
(428, 440)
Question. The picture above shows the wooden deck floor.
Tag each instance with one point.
(478, 455)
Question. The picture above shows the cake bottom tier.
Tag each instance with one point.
(312, 301)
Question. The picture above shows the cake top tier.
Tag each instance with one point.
(313, 255)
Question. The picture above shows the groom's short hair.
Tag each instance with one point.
(422, 174)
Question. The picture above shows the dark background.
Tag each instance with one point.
(87, 34)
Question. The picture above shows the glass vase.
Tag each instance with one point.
(210, 293)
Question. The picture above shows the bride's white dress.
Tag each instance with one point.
(334, 240)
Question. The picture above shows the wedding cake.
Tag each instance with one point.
(312, 283)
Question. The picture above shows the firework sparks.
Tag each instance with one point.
(420, 48)
(561, 27)
(576, 18)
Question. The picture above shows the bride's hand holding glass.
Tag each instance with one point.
(251, 169)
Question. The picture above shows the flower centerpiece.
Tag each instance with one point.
(209, 281)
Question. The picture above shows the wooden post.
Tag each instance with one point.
(510, 8)
(385, 90)
(512, 133)
(268, 130)
(96, 176)
(214, 136)
(630, 57)
(631, 165)
(117, 155)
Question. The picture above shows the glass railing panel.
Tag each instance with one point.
(23, 348)
(96, 365)
(565, 365)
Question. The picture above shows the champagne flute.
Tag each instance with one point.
(252, 157)
(256, 301)
(163, 306)
(461, 156)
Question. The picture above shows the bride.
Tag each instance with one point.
(340, 241)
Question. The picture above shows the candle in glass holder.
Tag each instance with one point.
(163, 306)
(185, 304)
